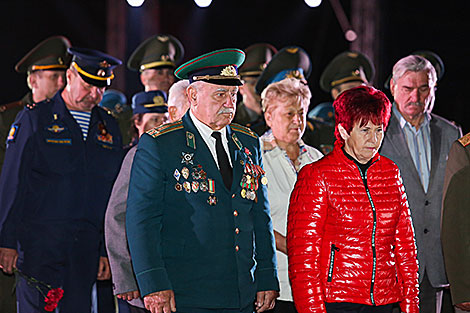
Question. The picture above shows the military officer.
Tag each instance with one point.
(456, 222)
(198, 223)
(45, 66)
(249, 112)
(62, 157)
(346, 70)
(156, 59)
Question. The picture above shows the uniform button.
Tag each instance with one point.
(426, 231)
(235, 213)
(426, 202)
(237, 248)
(237, 231)
(233, 196)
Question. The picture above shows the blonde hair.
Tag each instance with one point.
(289, 89)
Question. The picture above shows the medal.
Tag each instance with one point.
(264, 180)
(243, 193)
(195, 186)
(185, 172)
(211, 185)
(176, 175)
(203, 186)
(187, 186)
(187, 158)
(178, 187)
(212, 200)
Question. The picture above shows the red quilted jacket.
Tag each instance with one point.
(351, 239)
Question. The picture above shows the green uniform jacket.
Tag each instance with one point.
(455, 232)
(188, 232)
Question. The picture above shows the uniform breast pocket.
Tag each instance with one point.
(58, 152)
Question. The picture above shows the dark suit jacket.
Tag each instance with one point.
(212, 256)
(425, 207)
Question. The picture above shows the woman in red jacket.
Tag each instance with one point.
(350, 238)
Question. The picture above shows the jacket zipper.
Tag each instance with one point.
(332, 262)
(374, 228)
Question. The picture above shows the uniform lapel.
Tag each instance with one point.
(397, 140)
(237, 156)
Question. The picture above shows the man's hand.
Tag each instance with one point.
(8, 259)
(104, 271)
(160, 301)
(265, 300)
(465, 306)
(130, 295)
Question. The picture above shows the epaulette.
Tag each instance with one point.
(165, 128)
(242, 129)
(465, 140)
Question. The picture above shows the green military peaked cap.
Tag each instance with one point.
(218, 67)
(258, 56)
(346, 67)
(156, 52)
(49, 54)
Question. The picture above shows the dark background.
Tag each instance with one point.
(405, 26)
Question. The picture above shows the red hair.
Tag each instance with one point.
(361, 105)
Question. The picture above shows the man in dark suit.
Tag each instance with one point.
(198, 223)
(418, 142)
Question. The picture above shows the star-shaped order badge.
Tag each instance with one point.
(187, 158)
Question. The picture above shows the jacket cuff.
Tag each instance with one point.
(266, 279)
(153, 280)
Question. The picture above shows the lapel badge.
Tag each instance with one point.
(196, 174)
(176, 174)
(103, 134)
(55, 129)
(243, 193)
(187, 186)
(185, 172)
(195, 186)
(212, 200)
(178, 187)
(187, 158)
(203, 186)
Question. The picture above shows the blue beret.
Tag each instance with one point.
(150, 102)
(114, 101)
(94, 67)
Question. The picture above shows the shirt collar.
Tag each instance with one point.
(269, 142)
(402, 120)
(204, 130)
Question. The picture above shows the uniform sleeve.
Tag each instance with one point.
(144, 217)
(115, 231)
(308, 209)
(455, 233)
(406, 255)
(13, 178)
(265, 255)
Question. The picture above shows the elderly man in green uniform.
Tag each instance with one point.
(198, 223)
(455, 234)
(156, 59)
(249, 111)
(45, 66)
(346, 70)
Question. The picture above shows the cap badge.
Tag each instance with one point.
(229, 71)
(163, 38)
(104, 64)
(292, 50)
(165, 57)
(295, 74)
(353, 55)
(158, 100)
(101, 73)
(60, 61)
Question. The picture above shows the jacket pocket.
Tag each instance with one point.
(331, 267)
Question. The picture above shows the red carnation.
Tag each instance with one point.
(50, 306)
(54, 295)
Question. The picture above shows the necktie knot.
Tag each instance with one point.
(217, 136)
